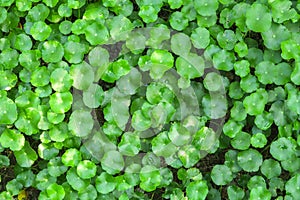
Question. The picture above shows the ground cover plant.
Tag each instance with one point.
(149, 99)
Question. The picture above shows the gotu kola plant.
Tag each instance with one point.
(125, 99)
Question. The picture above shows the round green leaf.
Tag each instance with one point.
(260, 193)
(206, 7)
(250, 160)
(270, 168)
(90, 193)
(93, 96)
(158, 35)
(215, 105)
(8, 111)
(279, 113)
(140, 122)
(258, 18)
(254, 104)
(61, 80)
(148, 13)
(190, 66)
(227, 39)
(50, 3)
(61, 102)
(112, 162)
(242, 68)
(130, 144)
(289, 49)
(174, 4)
(116, 70)
(47, 151)
(161, 60)
(105, 183)
(76, 4)
(238, 112)
(264, 120)
(258, 140)
(256, 181)
(99, 57)
(23, 42)
(119, 27)
(282, 11)
(136, 42)
(111, 129)
(55, 167)
(79, 26)
(3, 14)
(295, 75)
(75, 181)
(81, 123)
(249, 83)
(205, 139)
(4, 161)
(150, 178)
(96, 33)
(12, 139)
(26, 156)
(44, 179)
(180, 44)
(189, 155)
(52, 51)
(231, 128)
(151, 159)
(30, 59)
(241, 141)
(59, 133)
(54, 117)
(200, 38)
(282, 149)
(64, 10)
(26, 178)
(13, 187)
(265, 72)
(82, 75)
(292, 186)
(207, 21)
(74, 51)
(197, 190)
(162, 145)
(38, 13)
(55, 191)
(167, 176)
(178, 21)
(86, 169)
(241, 49)
(161, 114)
(71, 157)
(9, 58)
(7, 80)
(282, 73)
(223, 60)
(235, 193)
(213, 82)
(40, 31)
(120, 103)
(179, 135)
(65, 27)
(6, 2)
(274, 36)
(221, 175)
(40, 77)
(129, 83)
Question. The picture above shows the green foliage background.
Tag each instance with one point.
(236, 62)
